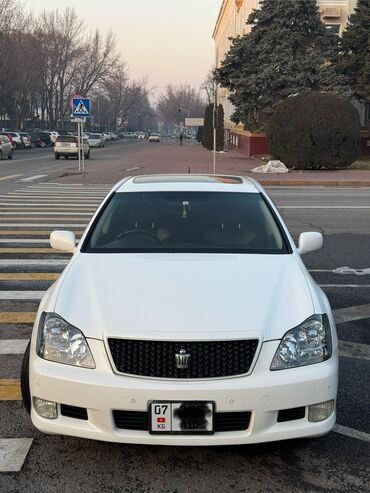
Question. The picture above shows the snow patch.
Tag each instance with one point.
(271, 167)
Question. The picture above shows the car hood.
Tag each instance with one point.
(184, 296)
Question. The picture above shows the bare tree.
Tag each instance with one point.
(207, 85)
(184, 98)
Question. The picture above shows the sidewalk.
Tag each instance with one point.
(193, 158)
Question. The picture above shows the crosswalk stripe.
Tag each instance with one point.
(45, 225)
(9, 177)
(24, 240)
(354, 350)
(13, 346)
(29, 276)
(21, 295)
(13, 453)
(32, 178)
(29, 250)
(46, 211)
(32, 232)
(45, 203)
(47, 218)
(10, 389)
(17, 317)
(350, 432)
(50, 262)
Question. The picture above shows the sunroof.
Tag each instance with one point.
(188, 179)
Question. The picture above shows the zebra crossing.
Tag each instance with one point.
(28, 266)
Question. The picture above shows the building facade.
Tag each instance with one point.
(231, 22)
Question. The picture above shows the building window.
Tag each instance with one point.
(333, 29)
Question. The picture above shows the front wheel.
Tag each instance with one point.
(57, 156)
(42, 144)
(25, 380)
(88, 155)
(10, 155)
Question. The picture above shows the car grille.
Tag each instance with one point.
(208, 359)
(139, 420)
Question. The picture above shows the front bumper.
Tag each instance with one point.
(263, 393)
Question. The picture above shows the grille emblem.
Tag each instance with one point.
(182, 359)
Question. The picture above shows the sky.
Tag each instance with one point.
(164, 40)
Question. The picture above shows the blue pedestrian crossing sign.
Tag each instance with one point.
(81, 107)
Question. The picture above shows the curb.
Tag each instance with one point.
(322, 183)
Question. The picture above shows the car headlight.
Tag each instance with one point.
(307, 344)
(60, 342)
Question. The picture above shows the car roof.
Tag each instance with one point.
(188, 182)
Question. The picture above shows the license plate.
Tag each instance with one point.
(186, 417)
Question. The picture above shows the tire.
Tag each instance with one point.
(10, 156)
(66, 157)
(25, 380)
(57, 156)
(42, 144)
(1, 156)
(88, 155)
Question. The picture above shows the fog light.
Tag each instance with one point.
(321, 411)
(46, 409)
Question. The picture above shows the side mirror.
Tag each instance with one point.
(309, 242)
(64, 241)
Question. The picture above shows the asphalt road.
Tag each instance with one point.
(338, 462)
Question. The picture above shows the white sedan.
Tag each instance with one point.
(185, 317)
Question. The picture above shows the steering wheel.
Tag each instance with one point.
(137, 231)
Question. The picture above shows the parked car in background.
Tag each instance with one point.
(107, 136)
(6, 148)
(96, 140)
(67, 146)
(154, 138)
(129, 135)
(140, 135)
(40, 139)
(8, 134)
(53, 135)
(113, 136)
(17, 140)
(26, 138)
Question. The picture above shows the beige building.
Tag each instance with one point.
(231, 22)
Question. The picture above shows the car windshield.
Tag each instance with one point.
(207, 222)
(94, 136)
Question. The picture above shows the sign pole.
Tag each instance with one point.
(79, 145)
(82, 148)
(214, 127)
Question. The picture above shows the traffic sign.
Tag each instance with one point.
(78, 119)
(81, 107)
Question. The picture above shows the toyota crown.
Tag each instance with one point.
(185, 317)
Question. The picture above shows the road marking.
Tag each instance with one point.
(344, 285)
(354, 350)
(9, 177)
(350, 432)
(31, 178)
(43, 203)
(29, 276)
(45, 225)
(132, 169)
(323, 207)
(9, 262)
(6, 211)
(21, 295)
(29, 250)
(10, 389)
(17, 317)
(13, 346)
(24, 240)
(344, 271)
(352, 313)
(13, 453)
(32, 232)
